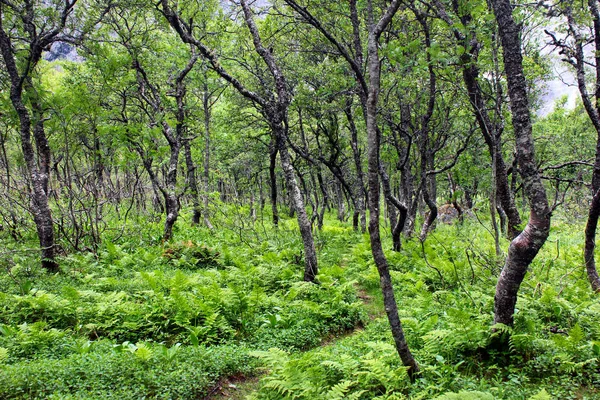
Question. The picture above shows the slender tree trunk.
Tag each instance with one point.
(170, 195)
(590, 242)
(428, 186)
(396, 222)
(493, 208)
(359, 184)
(593, 111)
(39, 176)
(341, 209)
(387, 289)
(410, 197)
(310, 253)
(273, 181)
(524, 247)
(491, 131)
(206, 175)
(325, 201)
(492, 138)
(192, 181)
(431, 217)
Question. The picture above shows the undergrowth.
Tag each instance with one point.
(145, 319)
(445, 293)
(167, 320)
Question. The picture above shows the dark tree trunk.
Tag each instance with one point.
(491, 131)
(592, 108)
(590, 242)
(341, 209)
(359, 184)
(408, 193)
(192, 181)
(594, 114)
(172, 211)
(171, 199)
(38, 174)
(524, 247)
(396, 222)
(454, 198)
(431, 216)
(206, 175)
(387, 289)
(273, 182)
(325, 199)
(492, 139)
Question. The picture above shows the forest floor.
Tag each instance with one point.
(241, 387)
(224, 314)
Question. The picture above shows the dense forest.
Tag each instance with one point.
(297, 199)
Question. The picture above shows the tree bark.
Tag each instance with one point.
(491, 131)
(192, 182)
(524, 247)
(276, 113)
(396, 222)
(592, 108)
(39, 175)
(590, 242)
(273, 181)
(492, 139)
(359, 184)
(387, 289)
(171, 199)
(310, 253)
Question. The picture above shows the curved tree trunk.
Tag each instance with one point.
(492, 139)
(524, 247)
(396, 221)
(431, 217)
(590, 242)
(310, 253)
(39, 175)
(593, 111)
(491, 131)
(385, 279)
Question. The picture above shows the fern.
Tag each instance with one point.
(143, 352)
(339, 391)
(3, 354)
(542, 395)
(521, 343)
(576, 335)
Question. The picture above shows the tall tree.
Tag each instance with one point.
(373, 138)
(572, 49)
(523, 248)
(489, 118)
(370, 87)
(274, 108)
(27, 29)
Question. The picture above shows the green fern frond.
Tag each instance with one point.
(339, 391)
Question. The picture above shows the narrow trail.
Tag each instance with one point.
(240, 387)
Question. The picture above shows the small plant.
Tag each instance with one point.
(190, 255)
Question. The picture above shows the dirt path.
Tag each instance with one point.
(234, 388)
(240, 387)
